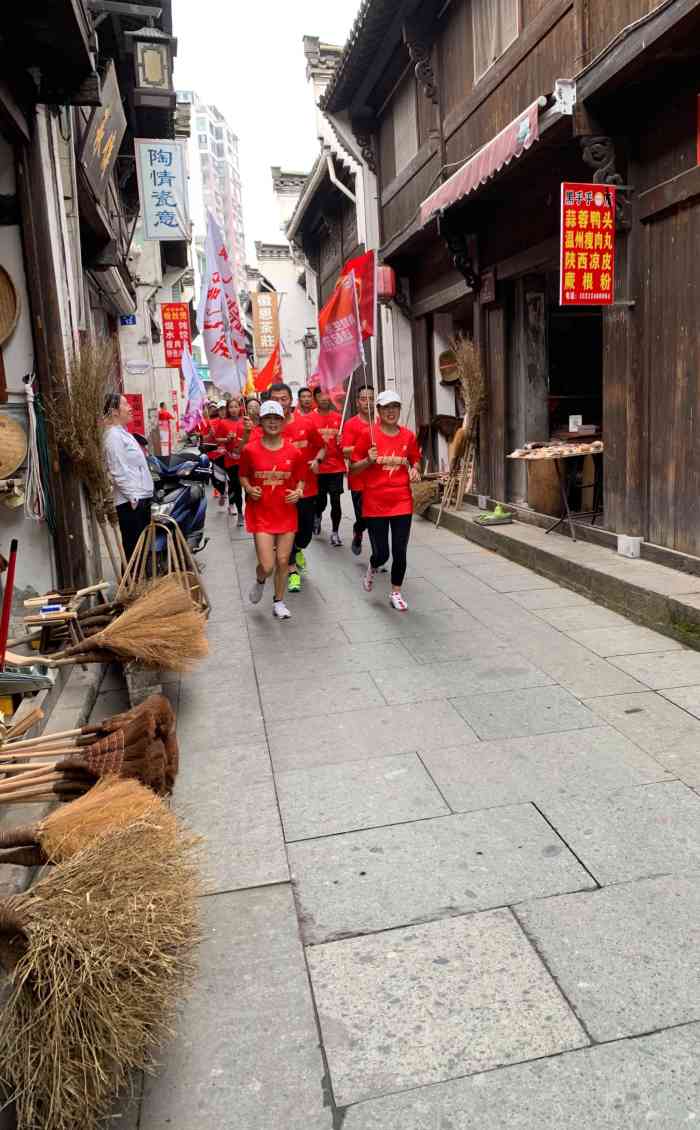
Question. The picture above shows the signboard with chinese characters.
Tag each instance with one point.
(137, 423)
(163, 189)
(176, 331)
(587, 265)
(103, 136)
(266, 323)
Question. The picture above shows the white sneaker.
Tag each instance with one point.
(368, 579)
(398, 602)
(280, 610)
(232, 510)
(255, 594)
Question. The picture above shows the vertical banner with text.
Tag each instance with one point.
(162, 177)
(266, 324)
(587, 263)
(176, 331)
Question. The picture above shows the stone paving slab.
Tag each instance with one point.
(578, 619)
(651, 1081)
(589, 762)
(515, 714)
(341, 659)
(503, 672)
(550, 596)
(627, 957)
(377, 731)
(688, 698)
(389, 624)
(247, 1054)
(386, 877)
(505, 581)
(631, 834)
(353, 603)
(290, 636)
(301, 697)
(359, 794)
(475, 643)
(623, 641)
(663, 670)
(413, 1007)
(649, 720)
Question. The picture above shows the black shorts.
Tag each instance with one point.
(331, 483)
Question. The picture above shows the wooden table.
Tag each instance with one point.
(557, 458)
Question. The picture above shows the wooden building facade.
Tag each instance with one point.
(614, 93)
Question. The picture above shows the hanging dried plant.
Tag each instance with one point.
(471, 374)
(76, 412)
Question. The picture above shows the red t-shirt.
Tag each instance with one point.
(220, 431)
(276, 472)
(328, 425)
(301, 430)
(233, 445)
(355, 427)
(387, 487)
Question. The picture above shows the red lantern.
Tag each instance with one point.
(386, 284)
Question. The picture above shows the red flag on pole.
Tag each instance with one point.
(340, 336)
(270, 372)
(363, 267)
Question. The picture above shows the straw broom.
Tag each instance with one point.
(424, 494)
(99, 952)
(110, 804)
(145, 762)
(156, 705)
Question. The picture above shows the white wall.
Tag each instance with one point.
(397, 346)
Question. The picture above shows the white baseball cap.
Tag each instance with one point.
(271, 408)
(221, 404)
(388, 397)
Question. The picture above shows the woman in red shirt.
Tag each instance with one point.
(232, 456)
(272, 475)
(388, 458)
(332, 469)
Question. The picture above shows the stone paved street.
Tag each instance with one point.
(454, 856)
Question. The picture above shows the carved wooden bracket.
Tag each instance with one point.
(598, 153)
(419, 43)
(364, 136)
(460, 252)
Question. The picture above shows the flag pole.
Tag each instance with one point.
(362, 353)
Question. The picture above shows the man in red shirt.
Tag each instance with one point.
(332, 470)
(355, 427)
(302, 432)
(389, 460)
(220, 431)
(305, 402)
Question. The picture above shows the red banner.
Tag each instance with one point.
(340, 336)
(137, 423)
(365, 284)
(176, 331)
(587, 264)
(270, 372)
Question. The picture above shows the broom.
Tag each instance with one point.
(99, 952)
(146, 761)
(110, 804)
(156, 705)
(424, 494)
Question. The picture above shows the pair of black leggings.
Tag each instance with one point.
(235, 490)
(306, 511)
(360, 524)
(400, 527)
(321, 500)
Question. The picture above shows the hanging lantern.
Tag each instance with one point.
(386, 284)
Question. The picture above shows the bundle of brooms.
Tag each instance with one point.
(425, 493)
(99, 952)
(140, 744)
(162, 629)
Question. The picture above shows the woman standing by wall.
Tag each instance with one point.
(131, 479)
(388, 460)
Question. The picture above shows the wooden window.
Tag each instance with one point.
(405, 114)
(496, 25)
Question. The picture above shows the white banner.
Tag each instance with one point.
(162, 178)
(219, 317)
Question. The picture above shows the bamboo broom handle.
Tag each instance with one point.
(27, 743)
(37, 777)
(41, 793)
(25, 835)
(24, 857)
(49, 751)
(27, 768)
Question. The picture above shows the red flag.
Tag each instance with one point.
(365, 276)
(270, 372)
(340, 335)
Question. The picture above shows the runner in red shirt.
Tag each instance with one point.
(355, 427)
(272, 475)
(330, 479)
(219, 432)
(232, 456)
(389, 466)
(302, 432)
(305, 402)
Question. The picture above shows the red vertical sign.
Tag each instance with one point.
(176, 331)
(137, 423)
(587, 265)
(176, 414)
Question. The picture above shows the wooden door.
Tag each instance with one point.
(673, 360)
(496, 355)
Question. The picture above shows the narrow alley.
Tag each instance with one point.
(453, 857)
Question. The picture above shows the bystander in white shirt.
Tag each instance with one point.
(127, 466)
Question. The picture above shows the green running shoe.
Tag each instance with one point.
(300, 560)
(294, 582)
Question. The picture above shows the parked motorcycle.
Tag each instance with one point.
(180, 492)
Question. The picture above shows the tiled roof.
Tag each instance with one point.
(369, 29)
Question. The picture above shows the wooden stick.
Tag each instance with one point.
(43, 739)
(35, 715)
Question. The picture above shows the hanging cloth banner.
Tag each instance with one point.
(364, 269)
(270, 372)
(219, 318)
(340, 336)
(195, 393)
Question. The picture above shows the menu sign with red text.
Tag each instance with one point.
(176, 331)
(587, 262)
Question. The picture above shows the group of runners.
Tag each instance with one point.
(291, 462)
